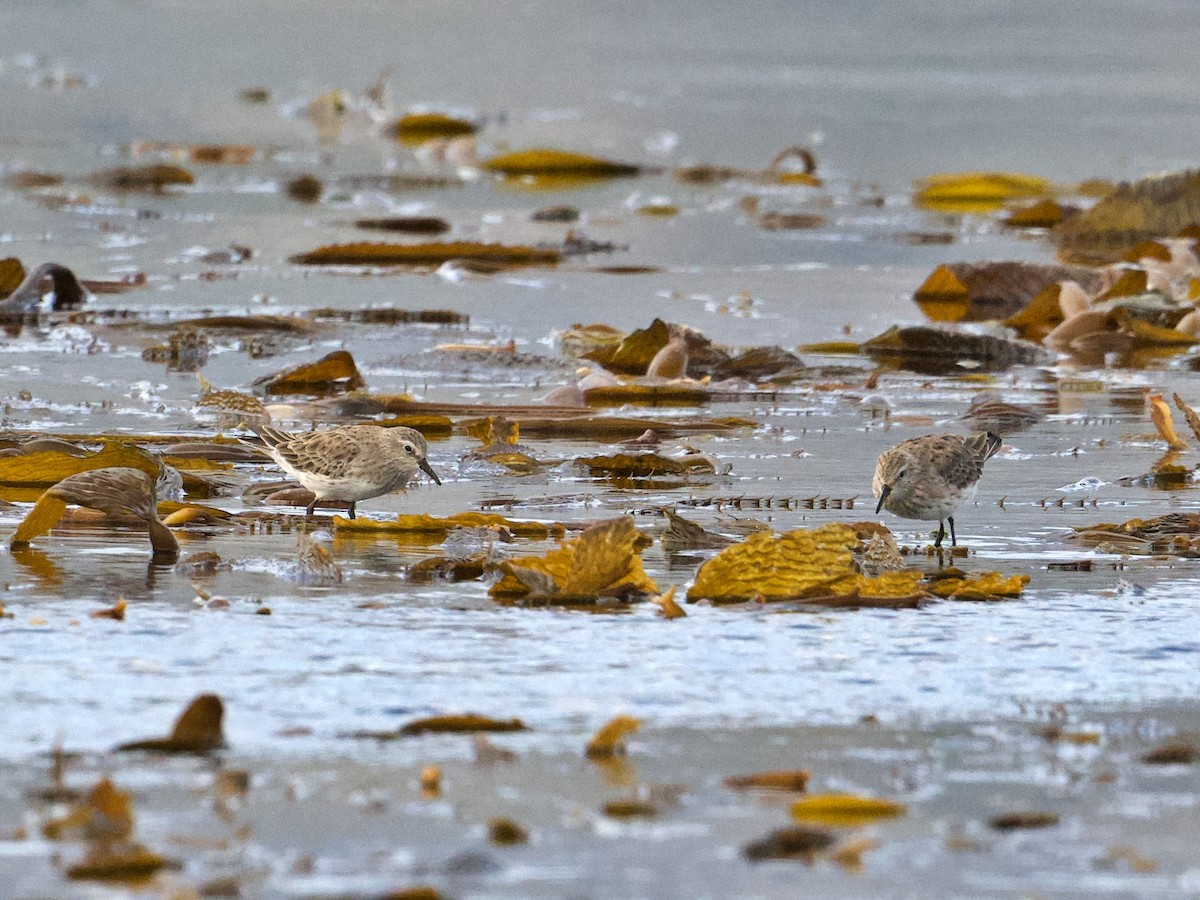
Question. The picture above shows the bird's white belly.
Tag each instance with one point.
(346, 489)
(944, 507)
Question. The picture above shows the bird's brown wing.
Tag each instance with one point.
(327, 453)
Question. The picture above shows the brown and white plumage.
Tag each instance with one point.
(929, 477)
(349, 463)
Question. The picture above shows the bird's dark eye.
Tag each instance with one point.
(410, 449)
(900, 474)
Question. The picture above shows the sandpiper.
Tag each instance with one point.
(929, 477)
(349, 463)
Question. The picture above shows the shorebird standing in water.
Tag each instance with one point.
(929, 477)
(349, 463)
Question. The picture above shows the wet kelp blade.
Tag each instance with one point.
(604, 560)
(609, 740)
(334, 373)
(456, 723)
(635, 351)
(154, 178)
(417, 128)
(978, 192)
(806, 565)
(952, 584)
(423, 524)
(956, 292)
(934, 351)
(427, 255)
(776, 780)
(557, 164)
(1152, 207)
(132, 864)
(197, 730)
(844, 810)
(47, 468)
(467, 723)
(793, 842)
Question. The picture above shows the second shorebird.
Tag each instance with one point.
(349, 463)
(929, 477)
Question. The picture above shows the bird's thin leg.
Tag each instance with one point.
(953, 539)
(308, 513)
(941, 535)
(352, 502)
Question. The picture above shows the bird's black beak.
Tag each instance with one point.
(428, 470)
(883, 493)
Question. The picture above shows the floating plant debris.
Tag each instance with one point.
(605, 560)
(844, 810)
(416, 128)
(557, 164)
(610, 739)
(432, 254)
(978, 192)
(334, 373)
(197, 730)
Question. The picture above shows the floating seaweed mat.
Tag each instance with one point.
(793, 842)
(777, 780)
(130, 864)
(417, 128)
(1147, 333)
(427, 254)
(806, 564)
(621, 428)
(1152, 207)
(648, 395)
(638, 465)
(405, 224)
(545, 163)
(390, 315)
(954, 584)
(1168, 526)
(334, 373)
(187, 464)
(935, 351)
(425, 524)
(635, 351)
(1043, 214)
(454, 723)
(46, 469)
(978, 192)
(465, 723)
(605, 560)
(283, 324)
(154, 177)
(971, 292)
(844, 810)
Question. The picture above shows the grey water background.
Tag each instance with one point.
(883, 95)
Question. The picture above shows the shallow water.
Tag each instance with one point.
(883, 98)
